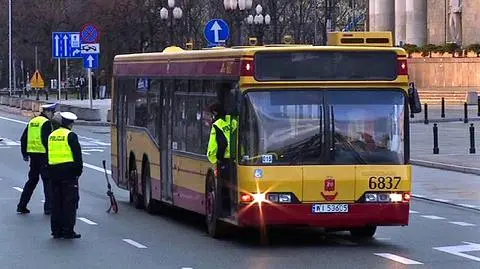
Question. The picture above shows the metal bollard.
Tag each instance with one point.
(435, 139)
(66, 94)
(472, 139)
(443, 107)
(46, 95)
(465, 113)
(426, 113)
(478, 107)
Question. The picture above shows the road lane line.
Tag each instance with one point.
(18, 189)
(419, 195)
(461, 223)
(397, 258)
(87, 221)
(432, 217)
(12, 120)
(442, 200)
(413, 212)
(133, 243)
(99, 169)
(467, 205)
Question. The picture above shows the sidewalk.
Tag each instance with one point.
(461, 189)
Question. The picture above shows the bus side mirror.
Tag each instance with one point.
(414, 100)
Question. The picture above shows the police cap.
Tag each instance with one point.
(68, 116)
(49, 107)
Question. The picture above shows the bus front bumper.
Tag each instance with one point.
(359, 215)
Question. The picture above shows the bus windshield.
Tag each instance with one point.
(302, 127)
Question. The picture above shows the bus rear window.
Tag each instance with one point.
(326, 66)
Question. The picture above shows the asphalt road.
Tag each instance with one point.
(135, 239)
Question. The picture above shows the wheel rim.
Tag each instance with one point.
(210, 203)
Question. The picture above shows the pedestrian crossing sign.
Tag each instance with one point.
(37, 80)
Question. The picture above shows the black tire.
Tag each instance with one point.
(215, 227)
(365, 232)
(134, 195)
(148, 202)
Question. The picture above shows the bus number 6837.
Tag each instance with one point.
(383, 183)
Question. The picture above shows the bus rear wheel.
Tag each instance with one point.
(148, 203)
(364, 232)
(134, 195)
(215, 227)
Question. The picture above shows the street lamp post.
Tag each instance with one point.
(10, 47)
(177, 14)
(259, 23)
(242, 5)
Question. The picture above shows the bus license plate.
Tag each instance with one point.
(330, 208)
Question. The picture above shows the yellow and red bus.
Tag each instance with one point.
(322, 141)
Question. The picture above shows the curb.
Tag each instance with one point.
(448, 167)
(25, 113)
(421, 197)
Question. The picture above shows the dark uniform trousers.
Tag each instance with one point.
(224, 168)
(38, 167)
(65, 203)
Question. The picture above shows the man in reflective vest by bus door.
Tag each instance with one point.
(34, 148)
(218, 151)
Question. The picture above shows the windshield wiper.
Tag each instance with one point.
(299, 150)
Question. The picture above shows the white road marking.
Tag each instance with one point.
(442, 200)
(432, 217)
(12, 120)
(461, 249)
(133, 243)
(397, 258)
(18, 189)
(9, 142)
(99, 169)
(87, 221)
(5, 147)
(86, 153)
(187, 268)
(43, 201)
(413, 212)
(419, 195)
(467, 205)
(461, 223)
(383, 238)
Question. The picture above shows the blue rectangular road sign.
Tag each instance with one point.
(91, 61)
(66, 45)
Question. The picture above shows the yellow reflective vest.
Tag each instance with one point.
(227, 127)
(59, 150)
(34, 135)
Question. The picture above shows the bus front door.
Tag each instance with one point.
(166, 139)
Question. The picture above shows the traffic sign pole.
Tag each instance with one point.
(59, 81)
(89, 74)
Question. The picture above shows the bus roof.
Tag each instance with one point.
(176, 53)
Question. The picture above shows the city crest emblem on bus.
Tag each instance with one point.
(329, 192)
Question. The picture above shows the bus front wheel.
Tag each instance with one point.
(215, 227)
(364, 232)
(134, 195)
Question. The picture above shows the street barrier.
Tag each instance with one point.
(472, 139)
(465, 112)
(435, 139)
(478, 107)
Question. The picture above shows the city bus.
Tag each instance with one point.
(322, 138)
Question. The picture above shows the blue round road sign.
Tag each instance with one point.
(217, 31)
(89, 34)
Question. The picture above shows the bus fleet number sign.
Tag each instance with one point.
(384, 183)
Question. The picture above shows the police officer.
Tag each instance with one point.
(34, 147)
(218, 151)
(66, 166)
(56, 120)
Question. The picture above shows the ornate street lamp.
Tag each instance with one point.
(241, 6)
(259, 23)
(177, 14)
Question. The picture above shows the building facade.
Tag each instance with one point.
(422, 22)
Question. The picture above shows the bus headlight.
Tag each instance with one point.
(385, 197)
(282, 198)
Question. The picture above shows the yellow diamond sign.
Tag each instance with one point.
(37, 80)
